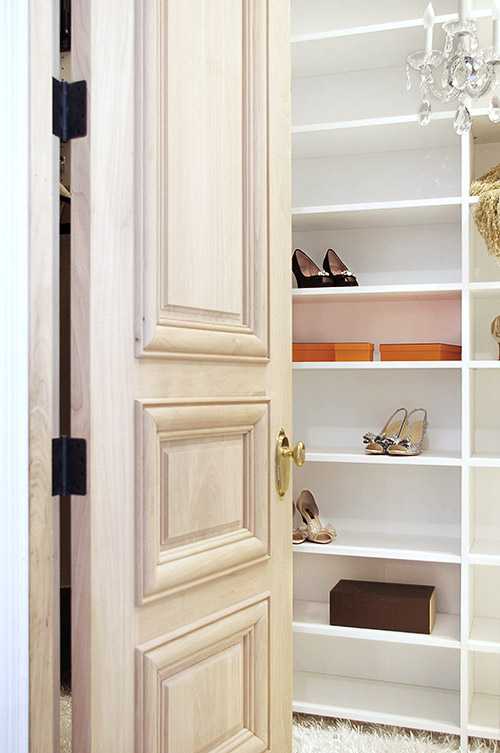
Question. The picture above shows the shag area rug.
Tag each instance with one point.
(65, 710)
(313, 734)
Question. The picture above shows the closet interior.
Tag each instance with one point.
(392, 198)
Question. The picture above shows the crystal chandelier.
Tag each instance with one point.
(468, 72)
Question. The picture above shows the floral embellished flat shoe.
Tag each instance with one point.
(377, 444)
(315, 531)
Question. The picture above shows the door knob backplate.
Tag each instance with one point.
(284, 453)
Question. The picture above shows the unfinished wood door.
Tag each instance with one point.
(42, 198)
(181, 373)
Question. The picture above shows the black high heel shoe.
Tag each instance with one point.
(307, 273)
(338, 270)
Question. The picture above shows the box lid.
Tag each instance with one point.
(418, 346)
(376, 588)
(317, 347)
(354, 346)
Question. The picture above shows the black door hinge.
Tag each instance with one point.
(69, 109)
(69, 466)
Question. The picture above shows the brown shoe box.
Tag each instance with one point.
(383, 606)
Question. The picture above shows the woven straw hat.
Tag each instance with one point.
(495, 328)
(486, 217)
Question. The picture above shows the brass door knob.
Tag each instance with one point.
(283, 455)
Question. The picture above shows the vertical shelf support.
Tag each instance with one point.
(465, 167)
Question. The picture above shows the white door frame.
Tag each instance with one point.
(14, 277)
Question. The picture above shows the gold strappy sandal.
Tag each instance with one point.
(377, 444)
(412, 435)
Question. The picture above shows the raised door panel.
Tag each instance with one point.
(202, 235)
(203, 491)
(206, 690)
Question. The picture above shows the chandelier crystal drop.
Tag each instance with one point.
(463, 120)
(494, 109)
(424, 114)
(468, 72)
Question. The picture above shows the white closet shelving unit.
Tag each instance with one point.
(392, 199)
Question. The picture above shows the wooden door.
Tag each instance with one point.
(43, 202)
(181, 373)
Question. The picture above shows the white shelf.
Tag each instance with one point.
(377, 214)
(421, 292)
(353, 31)
(376, 702)
(394, 546)
(311, 617)
(485, 364)
(388, 134)
(484, 289)
(386, 22)
(485, 552)
(391, 134)
(342, 365)
(384, 45)
(357, 455)
(483, 130)
(336, 51)
(485, 460)
(485, 635)
(484, 717)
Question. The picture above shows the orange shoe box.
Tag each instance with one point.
(313, 351)
(420, 352)
(354, 351)
(332, 351)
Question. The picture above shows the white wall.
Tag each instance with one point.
(14, 656)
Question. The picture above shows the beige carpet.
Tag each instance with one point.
(313, 734)
(65, 710)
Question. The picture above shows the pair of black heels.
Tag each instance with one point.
(309, 275)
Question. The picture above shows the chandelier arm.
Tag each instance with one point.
(477, 94)
(443, 96)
